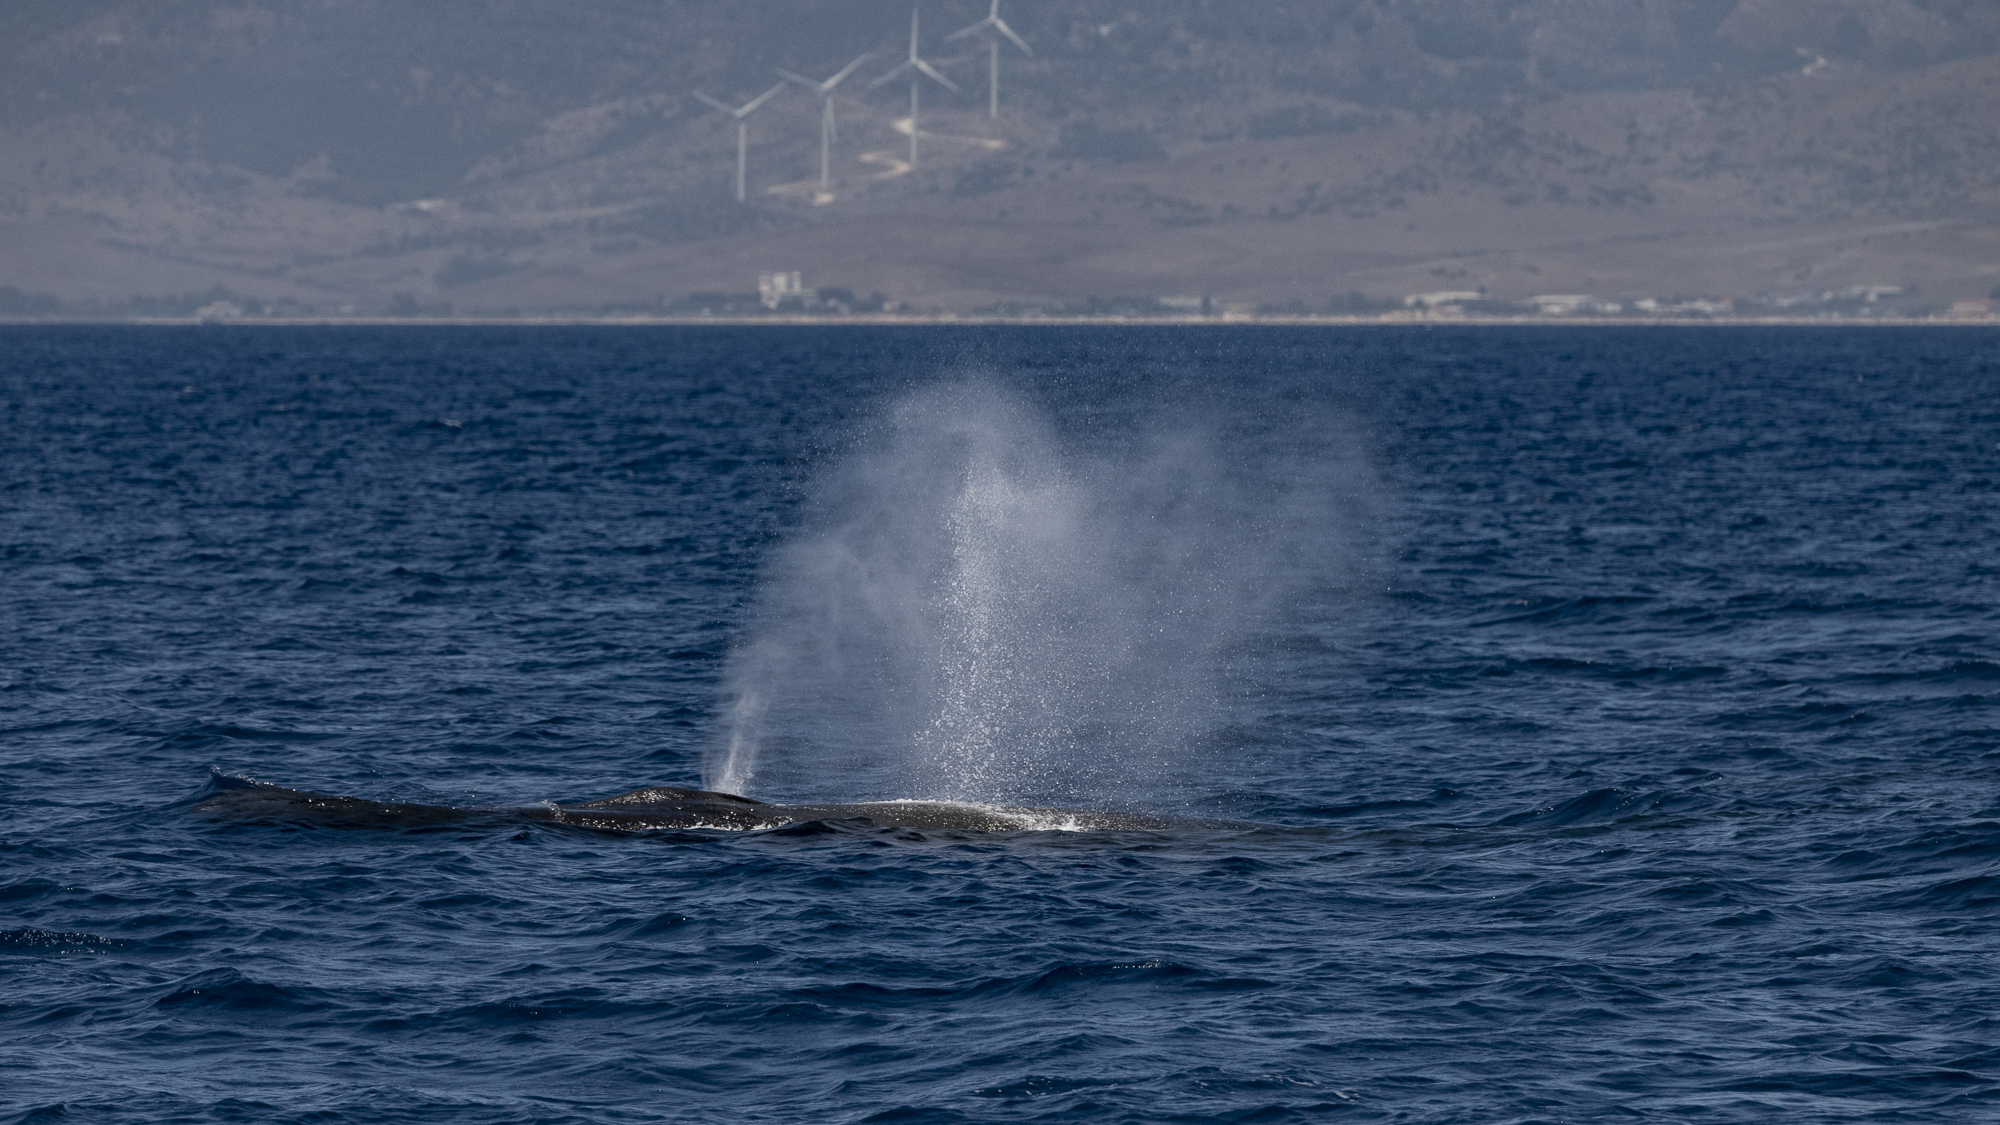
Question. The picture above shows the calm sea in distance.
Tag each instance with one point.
(1572, 724)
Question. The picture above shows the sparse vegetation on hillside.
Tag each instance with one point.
(534, 154)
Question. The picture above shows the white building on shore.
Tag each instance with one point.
(774, 289)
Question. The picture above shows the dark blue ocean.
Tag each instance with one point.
(1604, 723)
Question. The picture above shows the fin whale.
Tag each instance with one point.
(659, 807)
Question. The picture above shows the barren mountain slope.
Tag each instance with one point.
(526, 156)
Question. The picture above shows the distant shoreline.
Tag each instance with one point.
(1391, 320)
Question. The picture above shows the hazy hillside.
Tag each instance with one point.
(527, 155)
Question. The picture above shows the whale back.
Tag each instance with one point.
(658, 807)
(665, 795)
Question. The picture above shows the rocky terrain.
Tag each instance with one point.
(516, 157)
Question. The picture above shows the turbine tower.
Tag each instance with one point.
(998, 25)
(826, 129)
(919, 69)
(742, 127)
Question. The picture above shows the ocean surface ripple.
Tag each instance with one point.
(1640, 765)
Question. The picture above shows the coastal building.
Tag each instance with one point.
(1699, 306)
(1442, 298)
(775, 289)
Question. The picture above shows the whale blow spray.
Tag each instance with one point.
(977, 607)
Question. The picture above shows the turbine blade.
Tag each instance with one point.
(890, 77)
(713, 102)
(932, 71)
(827, 86)
(790, 77)
(760, 99)
(964, 31)
(1000, 25)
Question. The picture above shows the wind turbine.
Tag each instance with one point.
(918, 69)
(826, 129)
(742, 126)
(999, 25)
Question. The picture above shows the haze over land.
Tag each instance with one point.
(322, 157)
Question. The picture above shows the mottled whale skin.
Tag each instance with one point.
(662, 807)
